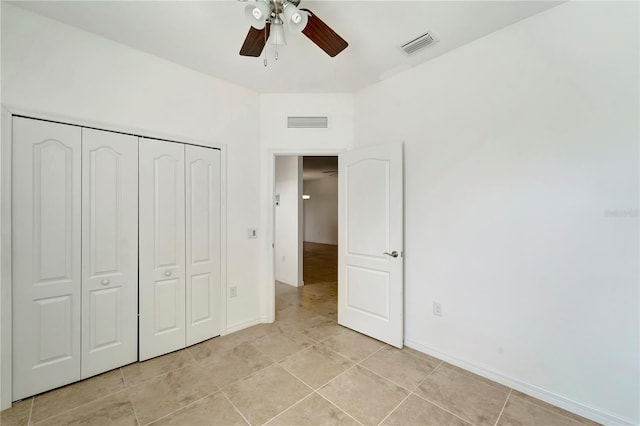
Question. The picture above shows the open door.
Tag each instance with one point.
(370, 257)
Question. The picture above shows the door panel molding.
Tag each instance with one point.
(162, 248)
(110, 250)
(203, 239)
(370, 274)
(46, 225)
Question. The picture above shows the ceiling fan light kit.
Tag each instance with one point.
(258, 13)
(267, 18)
(296, 19)
(277, 34)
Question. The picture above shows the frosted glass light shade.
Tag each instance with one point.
(296, 19)
(276, 35)
(257, 14)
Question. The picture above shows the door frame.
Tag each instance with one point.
(6, 326)
(270, 296)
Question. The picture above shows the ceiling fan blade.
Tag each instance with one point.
(320, 33)
(255, 41)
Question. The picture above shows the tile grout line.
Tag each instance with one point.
(336, 352)
(442, 408)
(339, 375)
(330, 402)
(394, 409)
(235, 407)
(384, 345)
(245, 377)
(294, 375)
(164, 374)
(318, 344)
(289, 356)
(277, 361)
(33, 401)
(76, 407)
(572, 419)
(157, 375)
(433, 402)
(420, 355)
(427, 376)
(386, 378)
(503, 407)
(133, 407)
(314, 391)
(181, 408)
(467, 373)
(291, 406)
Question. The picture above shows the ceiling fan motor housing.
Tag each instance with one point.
(263, 14)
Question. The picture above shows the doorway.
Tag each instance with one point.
(306, 250)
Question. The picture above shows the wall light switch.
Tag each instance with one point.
(253, 233)
(233, 292)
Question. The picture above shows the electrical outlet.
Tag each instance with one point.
(233, 292)
(437, 309)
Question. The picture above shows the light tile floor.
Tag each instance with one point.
(304, 369)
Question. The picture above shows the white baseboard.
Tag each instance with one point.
(242, 325)
(595, 414)
(296, 284)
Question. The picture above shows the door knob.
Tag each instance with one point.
(105, 282)
(167, 273)
(392, 254)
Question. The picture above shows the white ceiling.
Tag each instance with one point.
(207, 35)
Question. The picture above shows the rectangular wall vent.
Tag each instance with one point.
(419, 43)
(307, 122)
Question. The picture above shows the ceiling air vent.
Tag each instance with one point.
(419, 43)
(307, 122)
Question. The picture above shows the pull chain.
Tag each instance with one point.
(265, 46)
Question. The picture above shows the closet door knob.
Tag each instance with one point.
(167, 273)
(106, 282)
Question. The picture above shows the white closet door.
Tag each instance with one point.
(162, 242)
(109, 250)
(203, 243)
(46, 255)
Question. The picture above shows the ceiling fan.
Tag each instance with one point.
(267, 18)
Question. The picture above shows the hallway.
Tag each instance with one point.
(320, 263)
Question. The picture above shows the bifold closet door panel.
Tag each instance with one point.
(203, 243)
(162, 247)
(46, 255)
(109, 251)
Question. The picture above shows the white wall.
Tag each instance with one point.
(321, 210)
(276, 138)
(521, 204)
(53, 68)
(288, 219)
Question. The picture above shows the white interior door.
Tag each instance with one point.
(370, 258)
(203, 243)
(162, 247)
(46, 255)
(109, 250)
